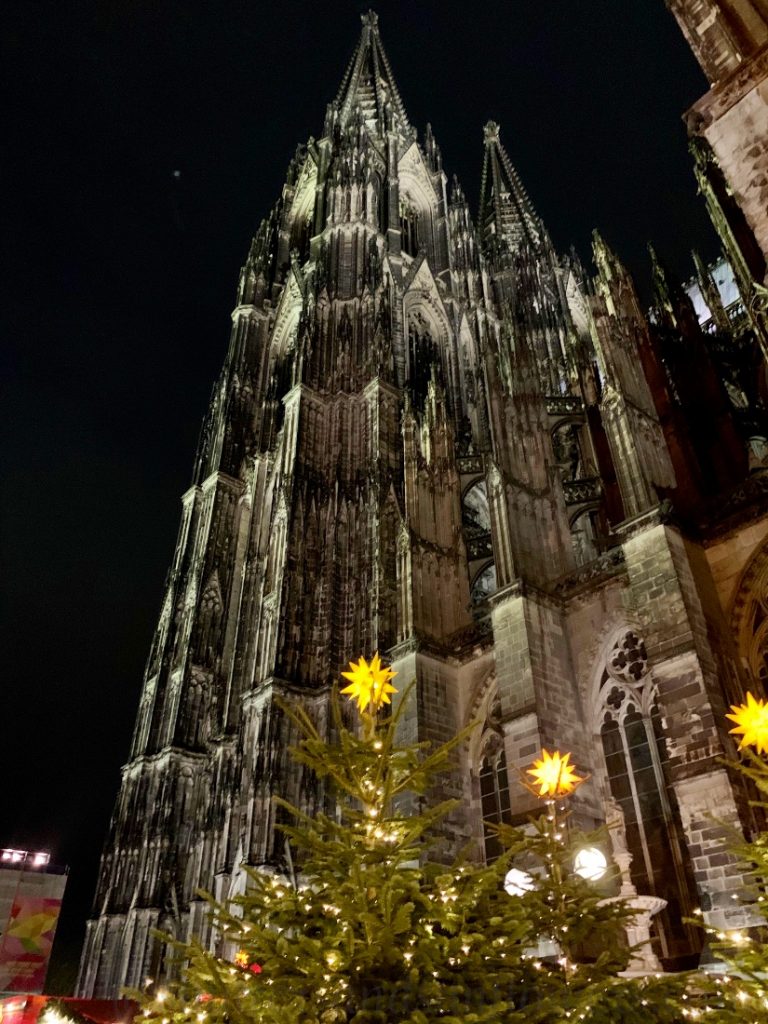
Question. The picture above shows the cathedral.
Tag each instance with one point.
(436, 437)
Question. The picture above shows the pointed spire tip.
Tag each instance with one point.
(491, 132)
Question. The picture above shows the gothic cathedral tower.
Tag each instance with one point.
(442, 441)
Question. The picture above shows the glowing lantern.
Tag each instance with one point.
(369, 683)
(590, 863)
(554, 774)
(752, 721)
(517, 882)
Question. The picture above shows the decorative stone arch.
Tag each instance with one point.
(418, 195)
(577, 425)
(424, 314)
(475, 480)
(476, 513)
(286, 324)
(484, 582)
(489, 773)
(483, 695)
(572, 418)
(749, 616)
(420, 302)
(301, 217)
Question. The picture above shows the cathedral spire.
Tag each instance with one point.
(506, 211)
(723, 34)
(368, 84)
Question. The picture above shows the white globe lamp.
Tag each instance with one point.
(517, 882)
(590, 863)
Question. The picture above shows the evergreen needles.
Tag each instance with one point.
(372, 930)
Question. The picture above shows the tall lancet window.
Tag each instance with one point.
(494, 786)
(409, 238)
(635, 758)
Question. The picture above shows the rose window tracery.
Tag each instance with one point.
(628, 660)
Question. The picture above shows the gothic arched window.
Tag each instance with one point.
(635, 758)
(209, 618)
(584, 536)
(484, 583)
(301, 232)
(409, 236)
(494, 795)
(750, 616)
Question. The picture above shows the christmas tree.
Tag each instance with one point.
(369, 926)
(738, 989)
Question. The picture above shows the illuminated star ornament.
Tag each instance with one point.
(554, 774)
(752, 722)
(369, 683)
(243, 960)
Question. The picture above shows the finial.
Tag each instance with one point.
(370, 19)
(491, 132)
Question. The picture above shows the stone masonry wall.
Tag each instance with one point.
(665, 599)
(736, 127)
(538, 693)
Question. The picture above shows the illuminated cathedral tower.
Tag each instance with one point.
(441, 440)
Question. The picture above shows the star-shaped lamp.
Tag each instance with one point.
(752, 722)
(554, 775)
(369, 683)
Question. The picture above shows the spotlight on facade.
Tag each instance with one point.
(24, 859)
(590, 863)
(13, 856)
(517, 882)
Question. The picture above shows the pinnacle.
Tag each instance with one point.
(491, 132)
(368, 84)
(506, 211)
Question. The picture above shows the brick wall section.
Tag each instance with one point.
(710, 822)
(434, 715)
(540, 701)
(666, 600)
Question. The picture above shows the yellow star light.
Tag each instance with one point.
(554, 774)
(369, 683)
(241, 958)
(752, 721)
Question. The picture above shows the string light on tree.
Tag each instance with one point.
(371, 927)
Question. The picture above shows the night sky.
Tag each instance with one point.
(146, 140)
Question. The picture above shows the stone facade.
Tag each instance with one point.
(729, 134)
(438, 438)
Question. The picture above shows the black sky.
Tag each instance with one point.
(118, 278)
